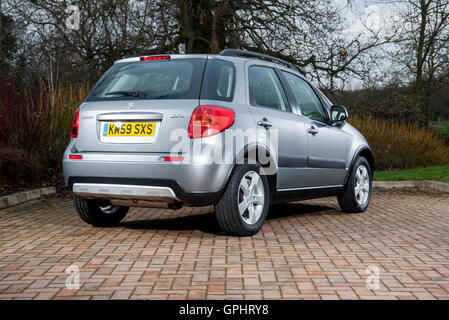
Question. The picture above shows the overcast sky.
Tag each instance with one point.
(378, 15)
(375, 13)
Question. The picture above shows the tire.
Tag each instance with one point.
(352, 200)
(256, 195)
(98, 213)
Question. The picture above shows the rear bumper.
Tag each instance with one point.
(130, 188)
(144, 177)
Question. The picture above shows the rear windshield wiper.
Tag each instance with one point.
(126, 93)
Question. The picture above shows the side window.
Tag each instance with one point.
(265, 89)
(305, 96)
(219, 80)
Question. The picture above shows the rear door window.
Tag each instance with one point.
(219, 80)
(159, 79)
(265, 89)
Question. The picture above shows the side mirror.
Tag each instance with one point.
(338, 114)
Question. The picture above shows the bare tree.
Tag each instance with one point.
(424, 42)
(109, 30)
(305, 32)
(8, 38)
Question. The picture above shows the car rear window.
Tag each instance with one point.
(219, 80)
(157, 79)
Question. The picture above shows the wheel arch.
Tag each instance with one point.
(366, 152)
(251, 151)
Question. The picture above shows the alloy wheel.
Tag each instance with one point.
(251, 197)
(362, 185)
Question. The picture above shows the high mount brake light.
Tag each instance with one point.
(173, 159)
(154, 58)
(209, 120)
(75, 124)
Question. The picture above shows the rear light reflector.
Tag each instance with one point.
(75, 157)
(154, 58)
(75, 124)
(173, 158)
(209, 120)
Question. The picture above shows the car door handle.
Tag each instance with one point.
(312, 130)
(264, 123)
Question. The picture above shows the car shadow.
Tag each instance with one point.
(202, 222)
(208, 224)
(288, 209)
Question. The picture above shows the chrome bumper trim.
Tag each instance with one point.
(122, 191)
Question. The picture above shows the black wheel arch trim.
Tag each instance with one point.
(360, 150)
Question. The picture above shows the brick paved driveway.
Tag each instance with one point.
(305, 250)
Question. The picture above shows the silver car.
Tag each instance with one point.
(238, 130)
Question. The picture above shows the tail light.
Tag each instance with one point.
(75, 124)
(209, 120)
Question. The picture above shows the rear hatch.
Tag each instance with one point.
(137, 105)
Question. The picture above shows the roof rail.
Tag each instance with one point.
(233, 52)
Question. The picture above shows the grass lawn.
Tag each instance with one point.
(444, 127)
(430, 173)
